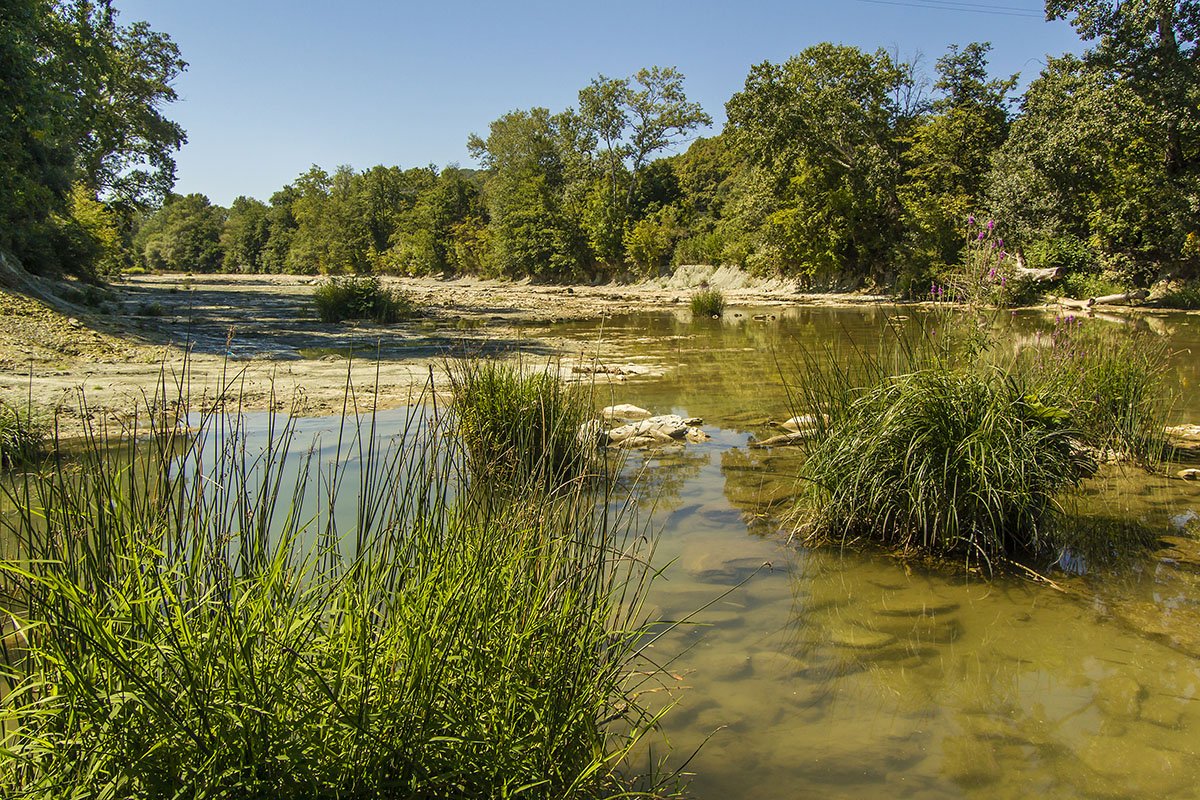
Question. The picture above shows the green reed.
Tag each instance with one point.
(708, 303)
(939, 443)
(519, 423)
(22, 435)
(204, 614)
(361, 297)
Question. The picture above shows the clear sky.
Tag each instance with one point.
(274, 86)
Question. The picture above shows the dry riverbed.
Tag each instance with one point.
(261, 334)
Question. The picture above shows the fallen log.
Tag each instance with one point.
(1118, 299)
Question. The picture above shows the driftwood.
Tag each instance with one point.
(785, 440)
(1102, 300)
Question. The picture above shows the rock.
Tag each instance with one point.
(859, 638)
(1120, 696)
(664, 429)
(1166, 712)
(1138, 769)
(74, 323)
(784, 440)
(805, 423)
(914, 607)
(625, 411)
(969, 762)
(1189, 474)
(1185, 432)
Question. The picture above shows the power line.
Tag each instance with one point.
(971, 8)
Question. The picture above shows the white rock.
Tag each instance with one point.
(624, 411)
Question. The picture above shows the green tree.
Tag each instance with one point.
(183, 235)
(822, 128)
(949, 156)
(80, 100)
(244, 236)
(533, 231)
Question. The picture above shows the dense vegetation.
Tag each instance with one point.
(834, 165)
(944, 444)
(360, 298)
(208, 614)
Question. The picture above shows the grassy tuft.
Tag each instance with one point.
(340, 299)
(517, 423)
(1111, 381)
(226, 613)
(22, 436)
(942, 461)
(708, 303)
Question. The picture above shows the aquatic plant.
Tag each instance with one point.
(361, 297)
(987, 275)
(225, 613)
(1110, 380)
(22, 435)
(708, 303)
(517, 422)
(938, 460)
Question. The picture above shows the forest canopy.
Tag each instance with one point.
(837, 165)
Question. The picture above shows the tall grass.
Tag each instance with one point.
(708, 303)
(208, 615)
(520, 423)
(937, 443)
(362, 297)
(22, 435)
(1112, 382)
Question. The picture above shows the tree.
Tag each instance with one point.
(822, 130)
(631, 120)
(533, 232)
(245, 234)
(949, 156)
(1152, 44)
(80, 100)
(183, 235)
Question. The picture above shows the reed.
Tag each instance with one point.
(222, 611)
(708, 303)
(22, 436)
(521, 423)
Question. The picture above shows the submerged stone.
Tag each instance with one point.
(914, 607)
(1120, 696)
(857, 637)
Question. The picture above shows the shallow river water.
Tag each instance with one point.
(833, 673)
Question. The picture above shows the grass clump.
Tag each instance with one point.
(22, 436)
(708, 303)
(206, 617)
(361, 297)
(1111, 381)
(517, 423)
(942, 461)
(939, 443)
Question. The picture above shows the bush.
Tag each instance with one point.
(366, 298)
(942, 461)
(1084, 285)
(22, 437)
(516, 423)
(206, 618)
(708, 303)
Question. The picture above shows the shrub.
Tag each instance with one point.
(206, 618)
(340, 299)
(1084, 285)
(987, 275)
(516, 423)
(708, 303)
(22, 436)
(943, 461)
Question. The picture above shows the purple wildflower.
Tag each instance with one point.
(971, 220)
(991, 224)
(982, 236)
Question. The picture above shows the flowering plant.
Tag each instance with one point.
(988, 275)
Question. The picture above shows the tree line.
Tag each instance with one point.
(836, 165)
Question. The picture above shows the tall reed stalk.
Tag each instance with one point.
(222, 611)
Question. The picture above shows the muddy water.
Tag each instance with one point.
(832, 673)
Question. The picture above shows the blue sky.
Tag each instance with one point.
(276, 86)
